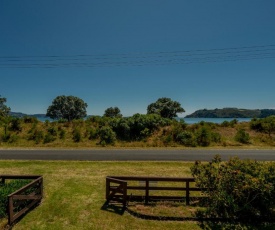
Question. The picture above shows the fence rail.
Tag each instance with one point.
(22, 200)
(114, 185)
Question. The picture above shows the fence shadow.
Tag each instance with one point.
(116, 208)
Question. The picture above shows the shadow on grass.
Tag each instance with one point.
(114, 208)
(231, 225)
(263, 223)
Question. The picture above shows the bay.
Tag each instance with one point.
(187, 120)
(213, 120)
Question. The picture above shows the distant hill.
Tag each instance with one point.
(19, 114)
(232, 113)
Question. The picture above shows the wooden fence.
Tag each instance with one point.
(25, 198)
(118, 188)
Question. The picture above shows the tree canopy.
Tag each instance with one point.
(165, 107)
(4, 110)
(112, 112)
(67, 107)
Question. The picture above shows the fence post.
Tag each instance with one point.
(2, 180)
(10, 210)
(41, 187)
(146, 191)
(187, 193)
(107, 188)
(124, 194)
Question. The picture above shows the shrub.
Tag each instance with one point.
(27, 119)
(52, 131)
(61, 120)
(77, 135)
(167, 139)
(62, 134)
(266, 125)
(242, 136)
(186, 138)
(15, 124)
(13, 138)
(47, 123)
(136, 127)
(203, 136)
(106, 135)
(6, 137)
(36, 135)
(216, 137)
(92, 133)
(225, 124)
(49, 138)
(236, 189)
(229, 123)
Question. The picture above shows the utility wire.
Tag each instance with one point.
(140, 59)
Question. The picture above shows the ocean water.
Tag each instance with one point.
(187, 120)
(213, 120)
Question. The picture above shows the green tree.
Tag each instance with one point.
(67, 107)
(112, 112)
(165, 107)
(269, 125)
(266, 125)
(4, 110)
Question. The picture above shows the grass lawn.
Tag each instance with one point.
(74, 193)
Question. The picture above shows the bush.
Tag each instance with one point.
(36, 135)
(52, 131)
(242, 136)
(10, 138)
(62, 134)
(237, 189)
(27, 119)
(186, 138)
(77, 135)
(167, 139)
(106, 135)
(225, 124)
(137, 127)
(49, 138)
(5, 137)
(203, 136)
(92, 133)
(266, 125)
(229, 123)
(15, 124)
(216, 137)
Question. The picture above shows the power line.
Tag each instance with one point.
(140, 59)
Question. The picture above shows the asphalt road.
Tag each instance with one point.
(135, 155)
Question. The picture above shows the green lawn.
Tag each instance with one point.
(74, 193)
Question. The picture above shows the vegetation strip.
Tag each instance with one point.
(158, 128)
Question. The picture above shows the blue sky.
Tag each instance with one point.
(130, 53)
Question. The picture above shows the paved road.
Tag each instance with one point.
(135, 155)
